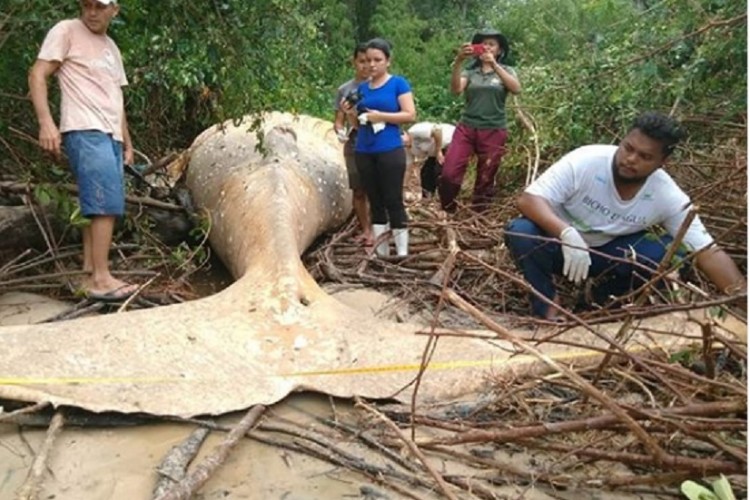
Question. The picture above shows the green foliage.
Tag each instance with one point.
(78, 220)
(58, 200)
(587, 67)
(684, 357)
(720, 490)
(717, 312)
(612, 59)
(197, 63)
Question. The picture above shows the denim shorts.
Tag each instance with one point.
(96, 161)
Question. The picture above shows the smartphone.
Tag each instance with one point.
(477, 48)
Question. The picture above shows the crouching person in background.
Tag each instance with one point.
(605, 198)
(427, 142)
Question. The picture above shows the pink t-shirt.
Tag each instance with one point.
(91, 77)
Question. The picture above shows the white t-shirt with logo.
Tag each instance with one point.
(422, 144)
(91, 76)
(580, 187)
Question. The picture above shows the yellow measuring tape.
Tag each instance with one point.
(440, 365)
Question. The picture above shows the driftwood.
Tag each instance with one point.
(187, 487)
(30, 488)
(173, 466)
(171, 223)
(593, 423)
(412, 448)
(14, 415)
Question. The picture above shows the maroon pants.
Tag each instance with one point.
(489, 147)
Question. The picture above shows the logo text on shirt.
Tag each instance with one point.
(607, 212)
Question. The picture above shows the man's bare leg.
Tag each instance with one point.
(97, 238)
(362, 212)
(88, 265)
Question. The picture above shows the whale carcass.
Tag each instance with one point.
(274, 330)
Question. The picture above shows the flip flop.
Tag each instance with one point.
(113, 295)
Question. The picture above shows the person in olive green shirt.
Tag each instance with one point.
(482, 129)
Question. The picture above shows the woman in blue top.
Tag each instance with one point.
(386, 102)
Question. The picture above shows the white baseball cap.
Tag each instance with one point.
(107, 2)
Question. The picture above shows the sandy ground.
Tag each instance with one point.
(120, 463)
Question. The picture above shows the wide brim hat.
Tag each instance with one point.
(492, 33)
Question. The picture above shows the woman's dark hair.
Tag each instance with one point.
(659, 127)
(380, 44)
(361, 48)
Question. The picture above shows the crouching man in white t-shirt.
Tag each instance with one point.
(605, 198)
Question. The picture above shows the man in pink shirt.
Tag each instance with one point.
(93, 129)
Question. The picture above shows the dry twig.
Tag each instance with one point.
(187, 487)
(31, 487)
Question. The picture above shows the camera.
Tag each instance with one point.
(353, 98)
(477, 48)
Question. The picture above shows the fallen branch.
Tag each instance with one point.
(705, 466)
(323, 449)
(412, 447)
(641, 294)
(528, 123)
(20, 187)
(186, 488)
(586, 424)
(651, 445)
(369, 442)
(30, 488)
(173, 466)
(10, 417)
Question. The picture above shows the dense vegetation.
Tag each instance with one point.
(587, 66)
